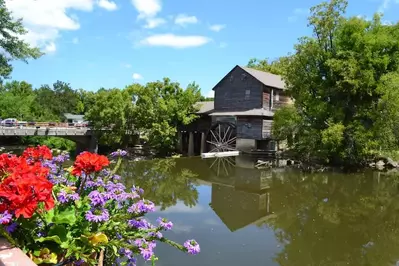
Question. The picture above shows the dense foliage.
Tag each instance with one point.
(78, 215)
(344, 80)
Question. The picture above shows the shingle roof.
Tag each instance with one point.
(205, 107)
(266, 78)
(253, 112)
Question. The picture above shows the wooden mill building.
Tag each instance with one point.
(241, 115)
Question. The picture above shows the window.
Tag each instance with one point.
(247, 94)
(276, 96)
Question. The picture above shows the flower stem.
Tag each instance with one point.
(7, 236)
(42, 219)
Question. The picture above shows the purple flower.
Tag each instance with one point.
(5, 218)
(146, 253)
(97, 198)
(156, 234)
(165, 224)
(79, 262)
(116, 177)
(126, 252)
(50, 165)
(192, 247)
(114, 187)
(131, 262)
(41, 234)
(139, 223)
(97, 215)
(138, 190)
(119, 153)
(64, 197)
(11, 228)
(59, 159)
(142, 206)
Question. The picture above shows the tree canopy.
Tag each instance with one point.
(343, 80)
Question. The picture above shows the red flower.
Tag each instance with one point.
(38, 153)
(7, 162)
(25, 187)
(89, 163)
(22, 193)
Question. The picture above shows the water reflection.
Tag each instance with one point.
(242, 215)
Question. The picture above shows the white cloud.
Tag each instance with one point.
(180, 207)
(210, 94)
(217, 27)
(175, 41)
(148, 10)
(183, 20)
(137, 76)
(75, 40)
(50, 48)
(127, 65)
(154, 22)
(108, 5)
(44, 19)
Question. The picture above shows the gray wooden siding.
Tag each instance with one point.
(229, 119)
(267, 128)
(238, 91)
(280, 101)
(249, 128)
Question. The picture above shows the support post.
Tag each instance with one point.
(203, 142)
(93, 146)
(191, 144)
(179, 142)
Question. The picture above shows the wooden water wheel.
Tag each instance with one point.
(221, 137)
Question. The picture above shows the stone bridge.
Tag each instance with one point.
(83, 136)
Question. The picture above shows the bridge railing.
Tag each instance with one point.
(45, 124)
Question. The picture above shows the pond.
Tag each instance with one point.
(244, 216)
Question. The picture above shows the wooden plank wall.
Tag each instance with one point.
(230, 93)
(283, 101)
(267, 128)
(249, 128)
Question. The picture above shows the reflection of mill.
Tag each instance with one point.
(222, 166)
(243, 197)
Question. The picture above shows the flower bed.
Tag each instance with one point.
(81, 215)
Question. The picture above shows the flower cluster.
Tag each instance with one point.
(73, 215)
(88, 163)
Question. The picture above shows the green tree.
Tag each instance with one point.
(53, 102)
(276, 67)
(112, 109)
(160, 107)
(341, 79)
(14, 48)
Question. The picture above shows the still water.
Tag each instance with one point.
(244, 216)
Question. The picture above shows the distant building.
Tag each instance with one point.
(71, 118)
(241, 115)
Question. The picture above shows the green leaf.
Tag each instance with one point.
(60, 231)
(55, 239)
(67, 216)
(48, 216)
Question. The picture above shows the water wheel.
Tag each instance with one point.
(221, 137)
(222, 166)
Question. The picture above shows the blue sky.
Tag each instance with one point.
(105, 43)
